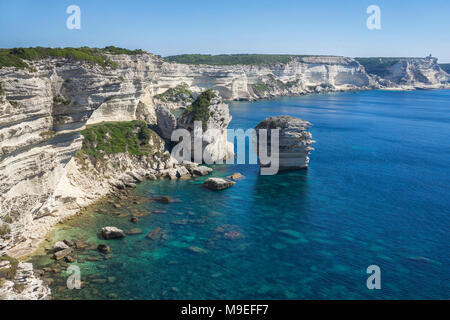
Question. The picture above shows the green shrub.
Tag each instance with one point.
(7, 218)
(60, 100)
(4, 229)
(14, 57)
(260, 87)
(10, 60)
(11, 271)
(378, 66)
(199, 109)
(47, 134)
(117, 50)
(232, 59)
(1, 89)
(118, 137)
(179, 93)
(15, 104)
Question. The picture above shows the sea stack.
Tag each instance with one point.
(294, 141)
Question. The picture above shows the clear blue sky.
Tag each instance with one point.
(167, 27)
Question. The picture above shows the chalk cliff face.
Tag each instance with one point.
(417, 73)
(43, 110)
(301, 75)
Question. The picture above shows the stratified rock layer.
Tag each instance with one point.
(294, 140)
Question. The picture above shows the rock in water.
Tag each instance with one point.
(58, 255)
(218, 183)
(236, 176)
(60, 245)
(104, 248)
(112, 233)
(214, 115)
(154, 234)
(294, 141)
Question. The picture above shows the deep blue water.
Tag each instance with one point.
(376, 192)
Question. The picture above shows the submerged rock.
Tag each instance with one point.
(218, 183)
(112, 233)
(162, 199)
(104, 248)
(294, 141)
(197, 250)
(236, 176)
(154, 234)
(134, 231)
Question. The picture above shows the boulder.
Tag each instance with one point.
(112, 233)
(70, 243)
(218, 183)
(104, 248)
(183, 173)
(189, 164)
(294, 141)
(201, 170)
(58, 255)
(236, 176)
(60, 245)
(154, 234)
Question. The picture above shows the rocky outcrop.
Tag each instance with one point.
(294, 141)
(24, 285)
(213, 116)
(218, 183)
(166, 121)
(406, 73)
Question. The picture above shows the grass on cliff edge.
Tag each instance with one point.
(15, 57)
(118, 137)
(179, 93)
(232, 59)
(199, 108)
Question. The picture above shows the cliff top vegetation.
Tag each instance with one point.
(17, 57)
(232, 59)
(117, 137)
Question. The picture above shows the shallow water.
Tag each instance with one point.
(376, 193)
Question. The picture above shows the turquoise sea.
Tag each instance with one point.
(376, 193)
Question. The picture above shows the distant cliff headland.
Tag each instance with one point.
(77, 123)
